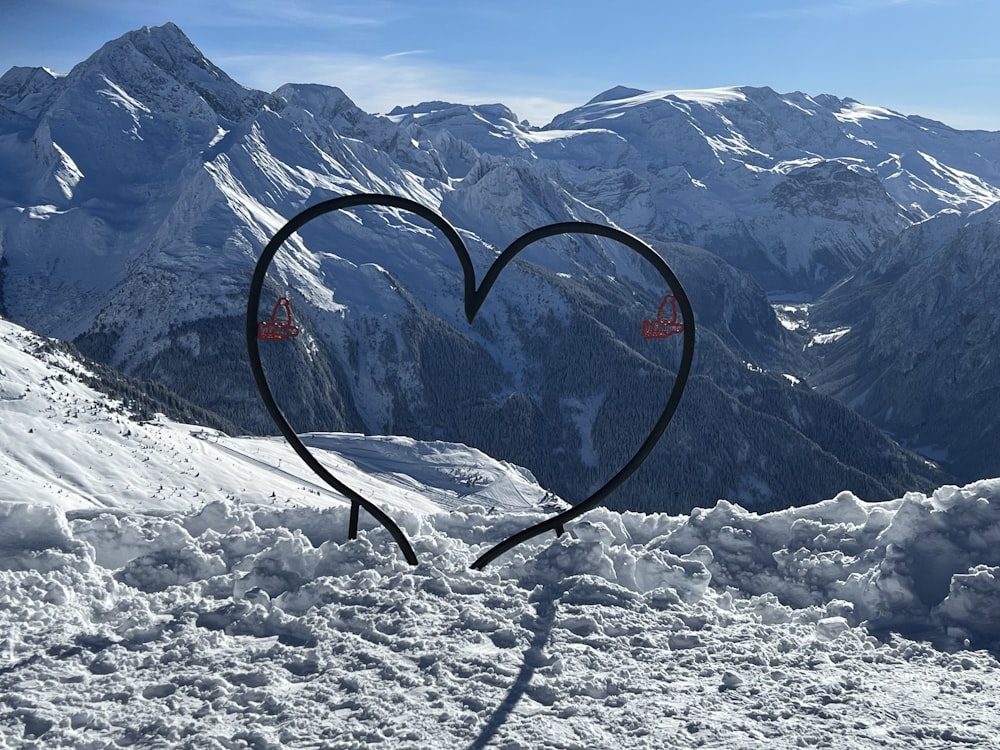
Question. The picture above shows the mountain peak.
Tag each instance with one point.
(435, 107)
(168, 47)
(17, 76)
(27, 91)
(320, 99)
(616, 93)
(152, 61)
(167, 33)
(20, 81)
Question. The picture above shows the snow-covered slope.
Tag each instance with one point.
(156, 594)
(68, 445)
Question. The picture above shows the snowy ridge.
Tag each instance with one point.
(230, 618)
(66, 445)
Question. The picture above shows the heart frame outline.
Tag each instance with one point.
(473, 296)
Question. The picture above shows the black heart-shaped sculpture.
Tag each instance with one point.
(474, 297)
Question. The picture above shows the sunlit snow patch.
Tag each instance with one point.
(836, 334)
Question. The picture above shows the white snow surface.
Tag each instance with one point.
(153, 593)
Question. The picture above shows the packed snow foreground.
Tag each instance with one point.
(212, 614)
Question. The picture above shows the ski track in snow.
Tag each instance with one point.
(220, 617)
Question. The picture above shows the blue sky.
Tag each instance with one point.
(937, 58)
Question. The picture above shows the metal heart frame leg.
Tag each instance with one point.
(474, 297)
(557, 522)
(253, 303)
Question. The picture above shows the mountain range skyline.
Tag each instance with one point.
(153, 179)
(932, 57)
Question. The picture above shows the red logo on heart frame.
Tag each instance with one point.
(666, 324)
(280, 326)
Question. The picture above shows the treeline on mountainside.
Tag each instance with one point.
(573, 408)
(142, 398)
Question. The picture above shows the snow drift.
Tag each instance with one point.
(252, 626)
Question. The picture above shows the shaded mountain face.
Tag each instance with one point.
(920, 354)
(146, 182)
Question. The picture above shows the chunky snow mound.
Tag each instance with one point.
(241, 625)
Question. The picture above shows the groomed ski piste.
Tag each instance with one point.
(163, 585)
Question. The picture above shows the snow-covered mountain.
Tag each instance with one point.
(145, 182)
(918, 351)
(796, 190)
(165, 585)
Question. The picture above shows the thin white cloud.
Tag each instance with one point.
(372, 81)
(834, 9)
(407, 53)
(302, 13)
(379, 83)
